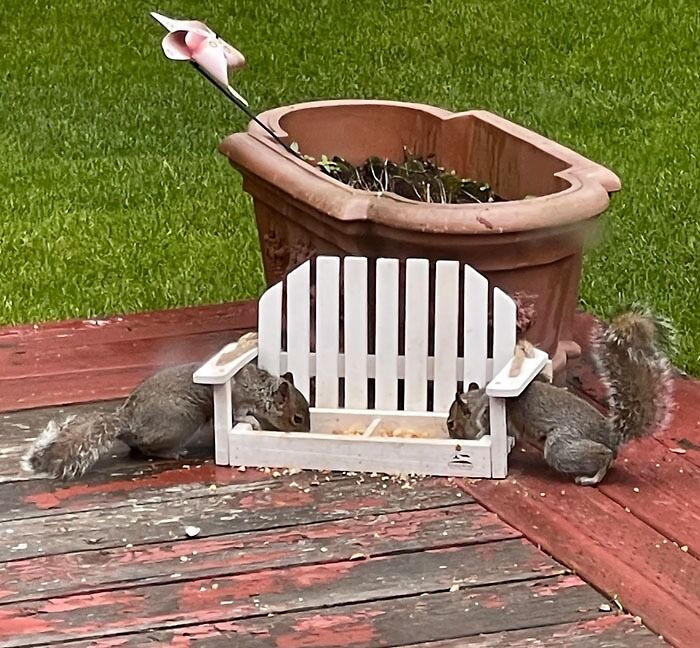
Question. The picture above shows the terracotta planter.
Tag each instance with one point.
(531, 247)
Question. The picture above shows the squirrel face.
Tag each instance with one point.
(468, 416)
(293, 408)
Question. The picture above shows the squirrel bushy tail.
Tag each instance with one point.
(631, 358)
(69, 449)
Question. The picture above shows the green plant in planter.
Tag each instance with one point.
(416, 178)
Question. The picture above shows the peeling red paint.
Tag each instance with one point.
(283, 497)
(600, 623)
(337, 631)
(550, 589)
(205, 473)
(354, 504)
(492, 602)
(110, 642)
(16, 622)
(426, 529)
(126, 599)
(315, 575)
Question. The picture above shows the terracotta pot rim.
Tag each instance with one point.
(585, 198)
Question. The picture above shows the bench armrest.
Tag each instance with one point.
(505, 386)
(221, 367)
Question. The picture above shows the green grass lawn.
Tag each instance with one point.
(114, 198)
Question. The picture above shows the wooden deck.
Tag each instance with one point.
(310, 559)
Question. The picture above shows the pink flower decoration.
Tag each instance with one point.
(192, 40)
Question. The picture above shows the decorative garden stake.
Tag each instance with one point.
(193, 41)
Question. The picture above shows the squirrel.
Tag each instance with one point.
(162, 415)
(577, 439)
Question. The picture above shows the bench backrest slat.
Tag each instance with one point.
(354, 365)
(327, 330)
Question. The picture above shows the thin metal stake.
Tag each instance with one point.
(247, 111)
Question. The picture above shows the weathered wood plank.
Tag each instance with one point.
(287, 504)
(683, 431)
(391, 622)
(608, 631)
(76, 377)
(308, 586)
(86, 386)
(132, 326)
(660, 488)
(168, 350)
(77, 362)
(106, 490)
(337, 540)
(590, 533)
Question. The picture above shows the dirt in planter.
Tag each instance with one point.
(416, 178)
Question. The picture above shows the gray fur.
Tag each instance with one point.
(575, 437)
(160, 418)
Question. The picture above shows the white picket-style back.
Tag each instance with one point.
(444, 370)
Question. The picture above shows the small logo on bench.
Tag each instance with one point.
(460, 458)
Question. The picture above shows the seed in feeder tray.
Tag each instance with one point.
(192, 531)
(242, 468)
(455, 588)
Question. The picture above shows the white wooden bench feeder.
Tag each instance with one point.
(324, 448)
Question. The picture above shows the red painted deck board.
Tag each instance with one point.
(638, 534)
(314, 629)
(608, 535)
(358, 538)
(395, 621)
(83, 361)
(147, 325)
(613, 549)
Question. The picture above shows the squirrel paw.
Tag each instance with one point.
(249, 420)
(592, 481)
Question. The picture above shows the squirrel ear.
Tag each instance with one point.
(282, 394)
(289, 377)
(463, 402)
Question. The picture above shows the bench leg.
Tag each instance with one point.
(499, 437)
(223, 419)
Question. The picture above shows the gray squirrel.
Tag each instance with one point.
(575, 437)
(162, 416)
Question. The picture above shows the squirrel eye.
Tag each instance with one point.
(297, 419)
